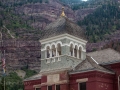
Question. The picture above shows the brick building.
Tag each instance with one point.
(65, 65)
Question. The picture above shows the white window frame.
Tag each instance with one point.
(81, 81)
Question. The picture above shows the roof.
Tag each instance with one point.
(35, 77)
(66, 63)
(61, 26)
(106, 56)
(89, 64)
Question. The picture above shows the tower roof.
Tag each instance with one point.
(62, 26)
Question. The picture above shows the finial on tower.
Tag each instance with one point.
(63, 14)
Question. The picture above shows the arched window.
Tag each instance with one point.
(80, 49)
(53, 51)
(58, 49)
(71, 50)
(48, 52)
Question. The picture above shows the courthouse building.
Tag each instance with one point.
(65, 65)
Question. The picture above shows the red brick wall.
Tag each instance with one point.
(44, 88)
(96, 81)
(28, 85)
(116, 68)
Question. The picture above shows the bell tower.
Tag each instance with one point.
(63, 45)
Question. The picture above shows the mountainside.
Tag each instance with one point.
(23, 20)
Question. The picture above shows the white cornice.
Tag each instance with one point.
(63, 36)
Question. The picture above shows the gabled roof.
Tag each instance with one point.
(106, 56)
(61, 26)
(35, 77)
(89, 64)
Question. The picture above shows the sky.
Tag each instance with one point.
(84, 0)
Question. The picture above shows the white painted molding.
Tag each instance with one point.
(63, 36)
(82, 80)
(53, 43)
(47, 45)
(59, 42)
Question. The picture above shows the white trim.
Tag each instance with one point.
(62, 56)
(47, 45)
(94, 60)
(50, 45)
(53, 43)
(37, 86)
(71, 42)
(58, 42)
(80, 46)
(82, 80)
(63, 36)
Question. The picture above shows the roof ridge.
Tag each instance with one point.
(94, 65)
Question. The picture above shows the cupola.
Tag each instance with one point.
(63, 44)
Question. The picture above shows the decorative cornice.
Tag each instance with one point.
(63, 36)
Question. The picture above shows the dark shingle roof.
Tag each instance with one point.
(35, 77)
(89, 64)
(61, 26)
(106, 56)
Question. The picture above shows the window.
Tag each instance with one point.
(57, 87)
(37, 89)
(82, 86)
(49, 87)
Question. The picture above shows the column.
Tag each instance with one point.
(77, 53)
(56, 52)
(50, 53)
(45, 53)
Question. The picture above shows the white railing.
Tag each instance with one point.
(53, 59)
(58, 58)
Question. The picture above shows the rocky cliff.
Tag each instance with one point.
(21, 54)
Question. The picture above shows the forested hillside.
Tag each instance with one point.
(104, 21)
(24, 20)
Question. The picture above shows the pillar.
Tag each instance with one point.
(77, 53)
(50, 53)
(56, 52)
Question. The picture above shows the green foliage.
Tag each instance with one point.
(12, 21)
(12, 82)
(103, 21)
(15, 3)
(91, 4)
(29, 72)
(70, 1)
